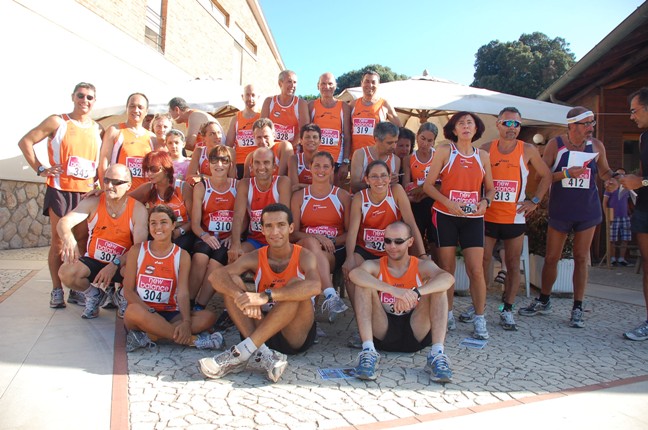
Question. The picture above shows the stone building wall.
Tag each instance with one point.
(22, 224)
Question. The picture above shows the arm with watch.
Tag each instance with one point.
(532, 154)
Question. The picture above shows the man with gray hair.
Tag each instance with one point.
(639, 183)
(288, 112)
(386, 136)
(194, 119)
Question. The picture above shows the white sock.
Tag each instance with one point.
(330, 291)
(479, 316)
(264, 349)
(368, 345)
(436, 349)
(450, 315)
(246, 348)
(91, 291)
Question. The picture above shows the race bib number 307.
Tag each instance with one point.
(107, 251)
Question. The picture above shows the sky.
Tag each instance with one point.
(410, 36)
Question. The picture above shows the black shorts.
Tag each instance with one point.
(340, 257)
(504, 231)
(240, 169)
(219, 254)
(468, 232)
(365, 254)
(423, 215)
(95, 267)
(400, 337)
(61, 202)
(168, 315)
(186, 241)
(279, 343)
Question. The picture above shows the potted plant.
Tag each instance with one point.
(537, 225)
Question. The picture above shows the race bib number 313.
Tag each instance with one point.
(505, 191)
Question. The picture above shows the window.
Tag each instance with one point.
(217, 11)
(154, 24)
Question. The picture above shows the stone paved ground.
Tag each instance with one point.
(167, 390)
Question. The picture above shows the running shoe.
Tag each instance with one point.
(468, 315)
(92, 304)
(367, 364)
(536, 307)
(120, 301)
(639, 333)
(209, 341)
(57, 300)
(576, 319)
(272, 362)
(452, 323)
(136, 339)
(222, 364)
(507, 321)
(223, 322)
(480, 331)
(439, 368)
(76, 298)
(335, 307)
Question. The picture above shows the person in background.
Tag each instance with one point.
(617, 198)
(299, 165)
(160, 125)
(193, 119)
(175, 143)
(240, 134)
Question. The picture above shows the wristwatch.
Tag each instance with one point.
(535, 200)
(40, 170)
(268, 293)
(182, 231)
(116, 261)
(644, 182)
(488, 202)
(346, 161)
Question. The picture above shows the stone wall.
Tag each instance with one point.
(22, 224)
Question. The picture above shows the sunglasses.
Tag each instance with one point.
(586, 123)
(223, 160)
(81, 96)
(153, 169)
(510, 123)
(399, 241)
(114, 182)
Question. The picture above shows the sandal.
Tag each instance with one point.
(501, 277)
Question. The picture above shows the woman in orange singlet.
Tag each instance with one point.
(459, 207)
(162, 189)
(213, 210)
(157, 290)
(199, 165)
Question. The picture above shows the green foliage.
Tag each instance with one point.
(353, 78)
(537, 225)
(310, 97)
(524, 67)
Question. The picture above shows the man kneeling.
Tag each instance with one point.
(401, 305)
(278, 312)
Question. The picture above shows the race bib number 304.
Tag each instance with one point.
(153, 289)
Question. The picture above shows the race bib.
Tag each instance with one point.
(178, 215)
(581, 182)
(505, 191)
(107, 251)
(283, 132)
(255, 220)
(81, 168)
(221, 221)
(245, 138)
(324, 230)
(388, 302)
(467, 199)
(134, 164)
(330, 137)
(374, 239)
(364, 126)
(153, 289)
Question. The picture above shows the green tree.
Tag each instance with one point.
(524, 67)
(353, 78)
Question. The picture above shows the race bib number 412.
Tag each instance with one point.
(581, 182)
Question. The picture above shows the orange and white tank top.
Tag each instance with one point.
(245, 143)
(176, 203)
(257, 200)
(110, 237)
(218, 209)
(510, 174)
(285, 118)
(461, 180)
(303, 173)
(409, 280)
(203, 161)
(76, 148)
(391, 160)
(157, 278)
(374, 221)
(129, 149)
(331, 122)
(419, 169)
(323, 216)
(363, 122)
(266, 278)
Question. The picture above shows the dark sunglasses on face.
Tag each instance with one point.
(81, 96)
(399, 241)
(511, 123)
(223, 160)
(154, 169)
(114, 182)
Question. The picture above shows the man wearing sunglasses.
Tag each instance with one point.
(505, 218)
(639, 183)
(401, 305)
(73, 147)
(115, 223)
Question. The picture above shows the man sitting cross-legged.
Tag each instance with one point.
(401, 305)
(277, 312)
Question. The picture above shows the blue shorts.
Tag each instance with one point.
(255, 243)
(639, 222)
(620, 229)
(576, 226)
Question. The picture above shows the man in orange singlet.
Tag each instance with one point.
(73, 146)
(401, 305)
(386, 136)
(288, 112)
(368, 111)
(115, 223)
(263, 132)
(333, 116)
(240, 135)
(275, 314)
(194, 119)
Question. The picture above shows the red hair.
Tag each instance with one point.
(162, 159)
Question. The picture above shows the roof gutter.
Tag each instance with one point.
(630, 24)
(265, 29)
